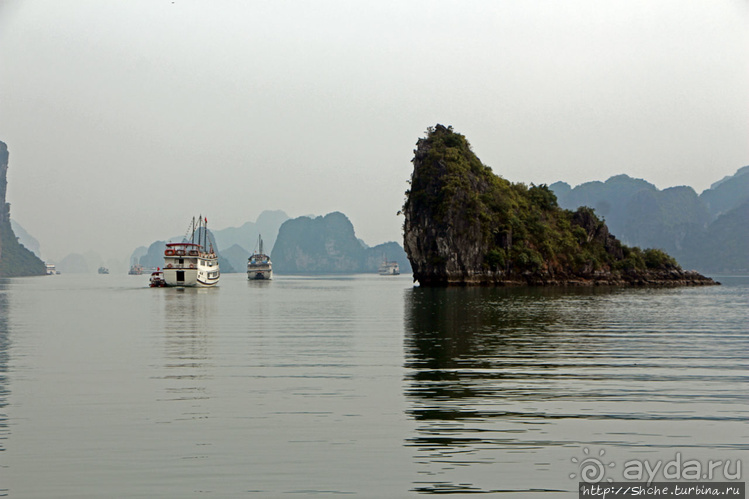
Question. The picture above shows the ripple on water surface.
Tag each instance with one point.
(520, 381)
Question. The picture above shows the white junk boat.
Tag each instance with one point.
(259, 266)
(193, 263)
(389, 268)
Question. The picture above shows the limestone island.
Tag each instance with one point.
(464, 225)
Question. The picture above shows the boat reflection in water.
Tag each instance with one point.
(188, 332)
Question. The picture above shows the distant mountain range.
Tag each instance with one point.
(707, 232)
(267, 225)
(328, 244)
(302, 245)
(154, 255)
(234, 244)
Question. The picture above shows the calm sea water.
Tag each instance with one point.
(359, 385)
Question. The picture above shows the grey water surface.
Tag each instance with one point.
(360, 385)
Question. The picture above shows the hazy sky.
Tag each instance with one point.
(126, 118)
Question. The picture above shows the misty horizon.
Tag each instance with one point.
(125, 120)
(94, 254)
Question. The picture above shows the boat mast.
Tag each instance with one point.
(201, 226)
(191, 231)
(205, 234)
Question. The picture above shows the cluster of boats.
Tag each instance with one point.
(194, 263)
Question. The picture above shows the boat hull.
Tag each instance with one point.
(186, 265)
(390, 269)
(190, 278)
(259, 275)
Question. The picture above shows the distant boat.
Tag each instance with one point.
(51, 270)
(193, 263)
(136, 270)
(259, 266)
(103, 270)
(389, 268)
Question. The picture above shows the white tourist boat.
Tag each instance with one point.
(389, 268)
(192, 263)
(259, 266)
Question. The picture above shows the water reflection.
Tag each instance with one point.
(466, 350)
(4, 381)
(506, 385)
(457, 336)
(188, 327)
(452, 328)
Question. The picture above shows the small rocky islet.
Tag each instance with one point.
(465, 225)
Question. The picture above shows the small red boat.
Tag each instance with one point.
(157, 279)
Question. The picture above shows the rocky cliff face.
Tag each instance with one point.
(443, 237)
(465, 225)
(15, 259)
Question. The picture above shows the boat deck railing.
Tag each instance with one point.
(180, 266)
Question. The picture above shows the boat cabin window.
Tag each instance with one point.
(181, 261)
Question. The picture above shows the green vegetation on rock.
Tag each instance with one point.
(464, 224)
(705, 232)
